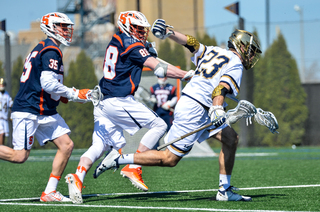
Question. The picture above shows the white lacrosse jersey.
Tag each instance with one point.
(213, 65)
(5, 104)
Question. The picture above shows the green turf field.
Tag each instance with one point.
(278, 179)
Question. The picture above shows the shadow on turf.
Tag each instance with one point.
(145, 197)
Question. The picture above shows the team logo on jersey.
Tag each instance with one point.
(30, 140)
(61, 68)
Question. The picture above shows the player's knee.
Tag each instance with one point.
(169, 159)
(69, 146)
(20, 156)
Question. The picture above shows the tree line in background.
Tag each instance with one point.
(276, 88)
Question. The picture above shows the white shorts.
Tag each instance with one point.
(189, 115)
(44, 128)
(113, 115)
(4, 127)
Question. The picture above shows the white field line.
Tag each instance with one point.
(139, 207)
(166, 192)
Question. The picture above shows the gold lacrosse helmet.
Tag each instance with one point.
(247, 45)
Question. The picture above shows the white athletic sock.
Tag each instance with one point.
(81, 172)
(224, 181)
(133, 166)
(125, 159)
(52, 183)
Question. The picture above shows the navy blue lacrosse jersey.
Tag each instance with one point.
(31, 98)
(162, 94)
(123, 65)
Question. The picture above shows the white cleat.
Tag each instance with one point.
(54, 196)
(229, 195)
(75, 188)
(107, 163)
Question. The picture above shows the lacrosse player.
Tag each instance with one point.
(34, 111)
(165, 98)
(218, 73)
(5, 104)
(125, 57)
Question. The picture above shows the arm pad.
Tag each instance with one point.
(192, 44)
(219, 90)
(161, 70)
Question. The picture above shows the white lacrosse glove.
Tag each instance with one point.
(159, 29)
(166, 106)
(153, 99)
(217, 115)
(76, 95)
(188, 75)
(170, 103)
(151, 48)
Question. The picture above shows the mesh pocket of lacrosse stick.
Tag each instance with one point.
(267, 119)
(96, 95)
(244, 109)
(143, 95)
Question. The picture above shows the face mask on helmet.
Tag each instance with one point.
(134, 24)
(247, 45)
(58, 26)
(162, 81)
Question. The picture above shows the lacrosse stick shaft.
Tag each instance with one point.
(160, 60)
(183, 136)
(232, 98)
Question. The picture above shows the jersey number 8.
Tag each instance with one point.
(110, 61)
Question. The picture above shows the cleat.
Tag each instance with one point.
(107, 163)
(54, 196)
(134, 175)
(229, 195)
(75, 188)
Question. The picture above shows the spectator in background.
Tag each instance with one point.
(164, 95)
(5, 104)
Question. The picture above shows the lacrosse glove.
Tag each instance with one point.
(217, 115)
(188, 75)
(76, 95)
(159, 29)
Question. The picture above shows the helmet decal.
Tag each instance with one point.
(58, 26)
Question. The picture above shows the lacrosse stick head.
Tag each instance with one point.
(244, 109)
(267, 119)
(96, 96)
(143, 95)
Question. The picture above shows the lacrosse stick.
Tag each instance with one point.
(143, 95)
(95, 95)
(244, 109)
(267, 119)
